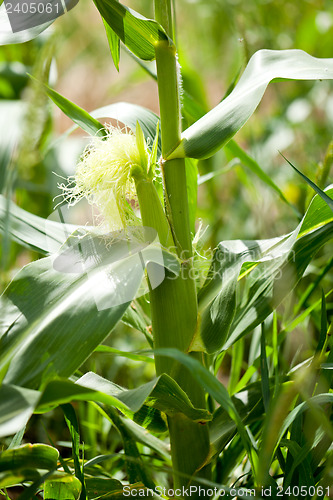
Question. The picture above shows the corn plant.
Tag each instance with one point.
(254, 440)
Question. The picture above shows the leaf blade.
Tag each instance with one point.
(218, 126)
(51, 293)
(138, 33)
(279, 265)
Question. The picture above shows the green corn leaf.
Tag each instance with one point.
(147, 439)
(299, 462)
(101, 486)
(61, 392)
(114, 44)
(62, 487)
(217, 318)
(323, 324)
(130, 114)
(151, 419)
(142, 146)
(162, 393)
(313, 286)
(17, 404)
(136, 470)
(292, 324)
(271, 283)
(123, 112)
(8, 37)
(264, 369)
(74, 112)
(143, 404)
(73, 427)
(236, 369)
(42, 235)
(277, 265)
(154, 150)
(218, 126)
(250, 407)
(317, 189)
(17, 438)
(135, 318)
(138, 33)
(27, 462)
(21, 403)
(140, 435)
(73, 288)
(315, 402)
(63, 299)
(211, 385)
(41, 456)
(195, 110)
(273, 437)
(217, 297)
(129, 355)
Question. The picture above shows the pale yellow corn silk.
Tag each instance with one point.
(103, 177)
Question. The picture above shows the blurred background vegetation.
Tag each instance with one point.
(215, 41)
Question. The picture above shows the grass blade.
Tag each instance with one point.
(264, 369)
(317, 189)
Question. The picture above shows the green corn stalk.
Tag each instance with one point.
(174, 302)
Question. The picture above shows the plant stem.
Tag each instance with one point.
(163, 15)
(174, 302)
(152, 212)
(173, 306)
(174, 173)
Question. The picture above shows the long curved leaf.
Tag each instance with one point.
(281, 263)
(34, 23)
(138, 33)
(114, 44)
(130, 114)
(88, 286)
(46, 236)
(272, 440)
(271, 283)
(214, 387)
(79, 115)
(8, 37)
(17, 404)
(62, 487)
(124, 112)
(218, 126)
(42, 235)
(27, 462)
(162, 393)
(250, 407)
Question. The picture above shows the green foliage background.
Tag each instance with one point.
(216, 40)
